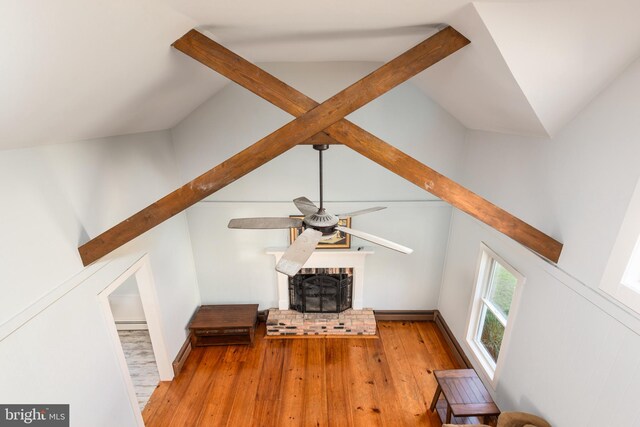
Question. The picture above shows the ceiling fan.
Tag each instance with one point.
(318, 225)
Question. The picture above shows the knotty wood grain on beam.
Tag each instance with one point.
(270, 88)
(302, 128)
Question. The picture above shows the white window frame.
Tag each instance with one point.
(621, 278)
(476, 313)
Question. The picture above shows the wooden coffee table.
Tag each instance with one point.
(464, 396)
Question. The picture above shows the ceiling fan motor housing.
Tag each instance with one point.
(322, 221)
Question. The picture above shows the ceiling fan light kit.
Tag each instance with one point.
(318, 225)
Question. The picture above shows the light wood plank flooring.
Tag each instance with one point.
(141, 361)
(308, 382)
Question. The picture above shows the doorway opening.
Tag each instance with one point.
(131, 310)
(133, 332)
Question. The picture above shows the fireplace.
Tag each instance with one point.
(321, 290)
(311, 304)
(350, 259)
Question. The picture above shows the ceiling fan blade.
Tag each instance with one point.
(306, 206)
(299, 252)
(361, 212)
(265, 223)
(375, 239)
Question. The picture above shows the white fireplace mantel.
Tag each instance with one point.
(327, 258)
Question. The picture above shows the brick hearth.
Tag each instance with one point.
(349, 322)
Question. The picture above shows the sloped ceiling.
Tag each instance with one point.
(72, 69)
(563, 53)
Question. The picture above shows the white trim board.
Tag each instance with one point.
(431, 203)
(41, 304)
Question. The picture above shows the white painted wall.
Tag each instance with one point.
(574, 351)
(52, 198)
(573, 354)
(125, 302)
(575, 186)
(232, 265)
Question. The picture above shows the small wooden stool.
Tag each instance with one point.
(224, 324)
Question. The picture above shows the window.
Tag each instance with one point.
(621, 278)
(497, 288)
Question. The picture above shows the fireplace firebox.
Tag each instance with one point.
(321, 290)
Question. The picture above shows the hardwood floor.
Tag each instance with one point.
(308, 382)
(138, 352)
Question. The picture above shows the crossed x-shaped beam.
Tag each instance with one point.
(320, 124)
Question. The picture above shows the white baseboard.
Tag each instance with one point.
(131, 326)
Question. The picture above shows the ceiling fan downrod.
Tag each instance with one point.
(320, 148)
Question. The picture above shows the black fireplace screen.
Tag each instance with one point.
(321, 290)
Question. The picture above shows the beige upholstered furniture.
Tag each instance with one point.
(511, 419)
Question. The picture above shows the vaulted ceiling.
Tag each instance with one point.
(72, 69)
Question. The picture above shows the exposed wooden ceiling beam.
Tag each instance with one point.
(263, 84)
(448, 190)
(307, 124)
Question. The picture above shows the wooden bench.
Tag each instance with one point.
(464, 396)
(224, 324)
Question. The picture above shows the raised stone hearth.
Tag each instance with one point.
(293, 323)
